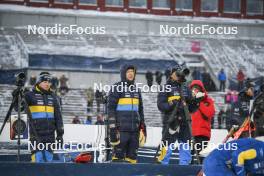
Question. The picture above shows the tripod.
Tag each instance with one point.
(107, 128)
(16, 102)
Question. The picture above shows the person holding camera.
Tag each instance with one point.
(44, 117)
(241, 109)
(201, 119)
(126, 117)
(174, 119)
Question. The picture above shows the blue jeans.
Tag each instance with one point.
(42, 157)
(185, 156)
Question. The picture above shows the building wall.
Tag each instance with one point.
(136, 23)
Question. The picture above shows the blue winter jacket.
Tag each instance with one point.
(243, 156)
(125, 107)
(222, 76)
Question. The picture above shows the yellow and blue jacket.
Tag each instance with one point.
(125, 107)
(45, 114)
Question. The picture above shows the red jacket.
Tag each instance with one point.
(201, 119)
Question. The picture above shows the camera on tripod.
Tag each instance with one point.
(20, 79)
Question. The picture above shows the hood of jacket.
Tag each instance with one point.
(123, 71)
(200, 84)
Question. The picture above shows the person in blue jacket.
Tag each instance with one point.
(125, 116)
(45, 118)
(176, 128)
(239, 157)
(222, 79)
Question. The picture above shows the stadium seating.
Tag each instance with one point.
(74, 104)
(231, 54)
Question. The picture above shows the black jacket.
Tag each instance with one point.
(125, 107)
(167, 109)
(240, 110)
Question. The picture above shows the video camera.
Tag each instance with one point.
(20, 79)
(181, 71)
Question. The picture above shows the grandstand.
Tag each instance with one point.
(215, 52)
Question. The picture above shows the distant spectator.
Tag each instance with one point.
(167, 73)
(228, 97)
(220, 117)
(63, 85)
(98, 99)
(32, 80)
(228, 119)
(206, 80)
(100, 120)
(90, 99)
(222, 79)
(158, 75)
(196, 74)
(240, 79)
(149, 77)
(88, 120)
(76, 120)
(54, 83)
(231, 97)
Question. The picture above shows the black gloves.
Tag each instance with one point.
(114, 136)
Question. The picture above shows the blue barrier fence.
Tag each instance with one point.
(94, 63)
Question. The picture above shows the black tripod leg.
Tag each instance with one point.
(19, 99)
(7, 115)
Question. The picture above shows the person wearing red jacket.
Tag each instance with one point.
(201, 119)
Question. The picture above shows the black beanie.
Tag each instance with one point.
(44, 76)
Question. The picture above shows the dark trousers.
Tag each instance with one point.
(222, 86)
(129, 143)
(240, 85)
(98, 106)
(89, 106)
(201, 142)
